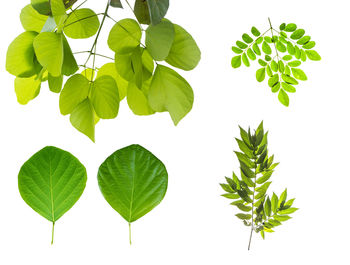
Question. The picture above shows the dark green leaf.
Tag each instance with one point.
(282, 26)
(142, 12)
(116, 3)
(243, 207)
(157, 10)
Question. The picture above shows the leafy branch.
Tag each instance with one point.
(248, 192)
(283, 73)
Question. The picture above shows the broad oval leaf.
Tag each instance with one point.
(20, 55)
(159, 39)
(170, 92)
(75, 91)
(157, 10)
(236, 61)
(290, 27)
(27, 89)
(82, 23)
(105, 97)
(42, 6)
(283, 97)
(51, 182)
(299, 74)
(31, 20)
(138, 100)
(313, 55)
(142, 12)
(48, 48)
(133, 181)
(184, 53)
(260, 74)
(297, 34)
(125, 36)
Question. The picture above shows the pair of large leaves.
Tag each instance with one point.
(132, 180)
(165, 89)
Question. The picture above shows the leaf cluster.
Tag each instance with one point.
(42, 53)
(249, 191)
(279, 56)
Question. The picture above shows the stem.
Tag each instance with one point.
(130, 234)
(129, 5)
(274, 43)
(83, 19)
(53, 232)
(252, 227)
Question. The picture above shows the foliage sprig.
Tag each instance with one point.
(42, 53)
(258, 210)
(279, 56)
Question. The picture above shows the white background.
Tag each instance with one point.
(193, 224)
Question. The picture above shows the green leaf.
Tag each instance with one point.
(255, 32)
(266, 176)
(51, 182)
(105, 97)
(297, 34)
(82, 23)
(245, 60)
(157, 10)
(247, 38)
(125, 36)
(20, 55)
(237, 50)
(110, 70)
(273, 80)
(244, 148)
(251, 54)
(184, 52)
(282, 198)
(302, 55)
(69, 66)
(48, 48)
(289, 79)
(137, 99)
(116, 3)
(42, 6)
(159, 39)
(299, 74)
(281, 47)
(142, 12)
(283, 97)
(246, 164)
(260, 74)
(290, 27)
(231, 196)
(266, 48)
(133, 181)
(294, 63)
(75, 91)
(280, 66)
(274, 203)
(27, 89)
(83, 119)
(55, 83)
(170, 92)
(289, 88)
(282, 218)
(309, 45)
(236, 61)
(274, 66)
(267, 206)
(243, 216)
(59, 13)
(288, 211)
(304, 40)
(313, 55)
(241, 45)
(269, 71)
(31, 20)
(282, 26)
(256, 48)
(243, 207)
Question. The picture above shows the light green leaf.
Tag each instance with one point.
(274, 203)
(27, 89)
(256, 49)
(184, 52)
(170, 92)
(266, 48)
(237, 50)
(83, 118)
(48, 48)
(69, 66)
(288, 211)
(282, 198)
(299, 74)
(133, 181)
(289, 88)
(137, 99)
(281, 47)
(313, 55)
(42, 6)
(82, 23)
(125, 36)
(309, 45)
(247, 38)
(109, 69)
(157, 10)
(260, 74)
(266, 176)
(20, 55)
(282, 218)
(50, 25)
(105, 97)
(31, 20)
(283, 97)
(297, 34)
(241, 45)
(290, 80)
(159, 39)
(255, 32)
(245, 59)
(243, 216)
(267, 206)
(294, 63)
(236, 61)
(55, 83)
(59, 13)
(75, 91)
(142, 12)
(290, 27)
(51, 182)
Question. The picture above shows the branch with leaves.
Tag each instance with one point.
(42, 53)
(279, 55)
(258, 211)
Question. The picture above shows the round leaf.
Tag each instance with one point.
(125, 36)
(31, 20)
(290, 27)
(184, 52)
(82, 23)
(159, 39)
(133, 181)
(170, 92)
(51, 182)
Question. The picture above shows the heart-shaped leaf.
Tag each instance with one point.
(51, 182)
(133, 181)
